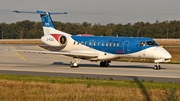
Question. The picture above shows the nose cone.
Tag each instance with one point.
(167, 55)
(162, 53)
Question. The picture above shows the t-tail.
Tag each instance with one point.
(47, 23)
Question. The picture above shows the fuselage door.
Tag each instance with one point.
(126, 47)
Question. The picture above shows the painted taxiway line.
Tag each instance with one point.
(20, 55)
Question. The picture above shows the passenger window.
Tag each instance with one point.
(82, 42)
(102, 43)
(110, 44)
(114, 44)
(106, 43)
(118, 44)
(94, 43)
(90, 43)
(74, 42)
(99, 43)
(85, 43)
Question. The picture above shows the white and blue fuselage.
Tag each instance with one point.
(109, 48)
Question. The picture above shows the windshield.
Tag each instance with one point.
(148, 43)
(151, 43)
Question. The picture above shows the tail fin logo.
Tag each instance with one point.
(47, 24)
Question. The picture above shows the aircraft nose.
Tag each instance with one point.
(168, 55)
(162, 53)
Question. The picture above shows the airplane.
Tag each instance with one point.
(97, 48)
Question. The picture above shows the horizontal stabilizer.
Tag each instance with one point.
(47, 22)
(39, 12)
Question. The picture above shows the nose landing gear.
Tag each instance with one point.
(157, 66)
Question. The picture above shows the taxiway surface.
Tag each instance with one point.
(58, 65)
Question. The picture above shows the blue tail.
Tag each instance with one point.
(46, 19)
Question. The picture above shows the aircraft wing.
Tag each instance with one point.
(72, 54)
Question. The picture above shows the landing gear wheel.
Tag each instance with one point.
(157, 67)
(104, 63)
(101, 64)
(73, 65)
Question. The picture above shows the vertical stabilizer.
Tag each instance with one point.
(46, 19)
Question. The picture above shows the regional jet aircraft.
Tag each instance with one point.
(97, 48)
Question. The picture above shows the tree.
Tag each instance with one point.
(29, 29)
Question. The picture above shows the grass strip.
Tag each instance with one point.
(91, 81)
(45, 88)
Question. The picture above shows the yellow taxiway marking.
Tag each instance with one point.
(23, 58)
(21, 55)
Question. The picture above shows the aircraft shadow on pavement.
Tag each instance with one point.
(111, 66)
(81, 65)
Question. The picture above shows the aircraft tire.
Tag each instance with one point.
(104, 64)
(73, 65)
(157, 67)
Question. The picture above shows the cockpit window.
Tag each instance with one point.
(151, 43)
(148, 43)
(142, 44)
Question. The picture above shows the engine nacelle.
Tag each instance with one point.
(54, 40)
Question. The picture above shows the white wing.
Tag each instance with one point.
(85, 54)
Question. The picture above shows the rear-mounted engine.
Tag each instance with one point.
(57, 40)
(62, 40)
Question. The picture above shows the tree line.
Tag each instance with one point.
(29, 29)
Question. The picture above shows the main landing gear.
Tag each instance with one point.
(104, 63)
(75, 63)
(157, 66)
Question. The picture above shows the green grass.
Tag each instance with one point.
(87, 81)
(43, 88)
